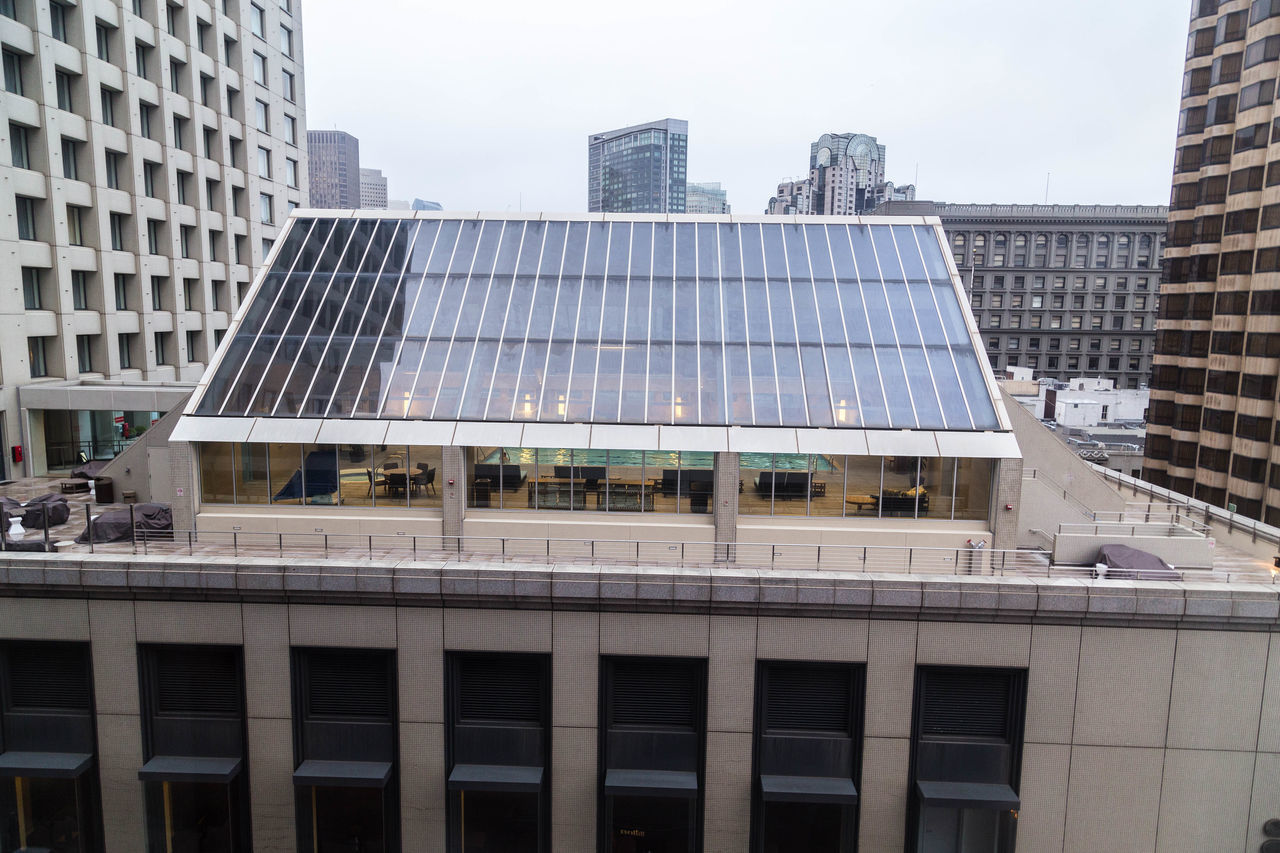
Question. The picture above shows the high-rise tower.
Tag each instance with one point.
(638, 169)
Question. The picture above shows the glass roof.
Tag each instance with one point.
(711, 323)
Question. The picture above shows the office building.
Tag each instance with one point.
(846, 177)
(423, 204)
(335, 169)
(706, 198)
(373, 189)
(539, 574)
(153, 157)
(1213, 387)
(1066, 290)
(638, 169)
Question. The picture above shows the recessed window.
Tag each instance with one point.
(264, 163)
(288, 88)
(145, 114)
(26, 211)
(259, 68)
(125, 347)
(70, 166)
(80, 290)
(122, 291)
(108, 98)
(291, 172)
(104, 42)
(286, 41)
(36, 357)
(20, 146)
(265, 208)
(75, 225)
(58, 15)
(62, 81)
(12, 72)
(257, 20)
(263, 116)
(32, 298)
(84, 353)
(290, 130)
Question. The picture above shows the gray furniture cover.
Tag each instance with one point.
(1127, 563)
(113, 526)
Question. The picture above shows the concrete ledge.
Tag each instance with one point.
(581, 586)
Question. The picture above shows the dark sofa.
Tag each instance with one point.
(785, 484)
(505, 477)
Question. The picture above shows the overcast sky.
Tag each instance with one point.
(488, 105)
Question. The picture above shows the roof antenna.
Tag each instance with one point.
(1046, 186)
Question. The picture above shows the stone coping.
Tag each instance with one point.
(481, 583)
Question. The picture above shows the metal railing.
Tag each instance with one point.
(1126, 528)
(1037, 474)
(1231, 522)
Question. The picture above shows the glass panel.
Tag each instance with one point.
(739, 388)
(826, 498)
(954, 830)
(41, 814)
(756, 471)
(934, 260)
(764, 385)
(649, 825)
(343, 820)
(901, 415)
(217, 483)
(791, 484)
(696, 481)
(862, 485)
(975, 388)
(817, 398)
(496, 821)
(320, 473)
(909, 253)
(811, 827)
(355, 474)
(627, 489)
(286, 473)
(662, 473)
(903, 488)
(973, 489)
(252, 485)
(928, 414)
(189, 817)
(935, 487)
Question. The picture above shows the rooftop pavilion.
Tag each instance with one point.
(617, 377)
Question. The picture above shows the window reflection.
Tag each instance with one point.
(650, 825)
(811, 827)
(955, 830)
(498, 822)
(189, 817)
(42, 814)
(345, 820)
(217, 481)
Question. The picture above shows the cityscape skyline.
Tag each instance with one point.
(947, 114)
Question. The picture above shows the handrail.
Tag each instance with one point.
(1234, 522)
(1037, 474)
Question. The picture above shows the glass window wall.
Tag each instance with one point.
(45, 814)
(190, 817)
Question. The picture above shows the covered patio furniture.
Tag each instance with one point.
(1126, 563)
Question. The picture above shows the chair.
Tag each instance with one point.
(375, 481)
(427, 477)
(397, 483)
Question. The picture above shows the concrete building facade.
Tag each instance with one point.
(1213, 392)
(1066, 290)
(152, 152)
(335, 169)
(639, 169)
(373, 189)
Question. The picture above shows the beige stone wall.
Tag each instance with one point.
(1137, 739)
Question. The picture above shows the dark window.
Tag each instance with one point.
(344, 742)
(1226, 69)
(967, 737)
(1191, 120)
(1256, 95)
(1218, 420)
(1231, 27)
(1220, 110)
(1227, 343)
(1200, 42)
(1246, 180)
(1212, 459)
(1263, 9)
(46, 714)
(1270, 217)
(1239, 222)
(1263, 50)
(1266, 345)
(1213, 190)
(194, 738)
(1253, 428)
(1232, 302)
(1221, 382)
(808, 727)
(498, 730)
(653, 722)
(1217, 150)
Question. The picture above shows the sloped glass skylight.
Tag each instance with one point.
(711, 323)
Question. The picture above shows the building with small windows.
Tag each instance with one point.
(334, 157)
(1066, 290)
(706, 198)
(373, 189)
(639, 169)
(846, 177)
(153, 154)
(1213, 392)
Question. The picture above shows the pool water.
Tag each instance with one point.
(651, 458)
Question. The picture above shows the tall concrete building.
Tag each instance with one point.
(706, 198)
(335, 169)
(1213, 387)
(373, 189)
(153, 156)
(638, 169)
(1066, 290)
(846, 177)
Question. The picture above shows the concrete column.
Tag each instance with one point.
(725, 512)
(182, 484)
(453, 490)
(1008, 489)
(117, 703)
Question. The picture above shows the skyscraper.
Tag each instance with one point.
(373, 189)
(335, 169)
(1213, 388)
(705, 198)
(154, 154)
(846, 177)
(638, 169)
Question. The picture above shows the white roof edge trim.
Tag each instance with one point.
(191, 428)
(887, 442)
(421, 432)
(979, 445)
(285, 430)
(352, 431)
(707, 439)
(554, 436)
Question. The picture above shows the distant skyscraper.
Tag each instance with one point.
(334, 169)
(846, 176)
(638, 169)
(705, 198)
(373, 189)
(423, 204)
